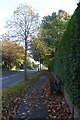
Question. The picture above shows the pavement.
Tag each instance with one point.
(33, 106)
(39, 103)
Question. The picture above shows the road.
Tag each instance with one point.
(11, 78)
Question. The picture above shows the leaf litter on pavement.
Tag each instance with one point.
(55, 103)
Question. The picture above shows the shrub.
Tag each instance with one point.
(50, 64)
(67, 58)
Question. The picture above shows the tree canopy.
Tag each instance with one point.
(12, 53)
(53, 27)
(50, 33)
(38, 49)
(23, 23)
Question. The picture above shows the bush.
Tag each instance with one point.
(50, 64)
(67, 58)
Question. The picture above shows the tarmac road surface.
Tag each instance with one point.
(11, 78)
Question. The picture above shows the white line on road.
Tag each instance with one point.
(8, 76)
(4, 77)
(14, 75)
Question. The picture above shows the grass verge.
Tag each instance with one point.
(13, 96)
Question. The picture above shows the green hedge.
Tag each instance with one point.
(50, 64)
(66, 63)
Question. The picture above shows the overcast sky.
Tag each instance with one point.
(43, 7)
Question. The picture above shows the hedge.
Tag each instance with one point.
(50, 64)
(66, 63)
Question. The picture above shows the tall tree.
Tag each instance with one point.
(12, 53)
(39, 50)
(53, 27)
(50, 33)
(23, 25)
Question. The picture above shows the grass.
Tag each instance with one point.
(13, 96)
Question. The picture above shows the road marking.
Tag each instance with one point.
(4, 77)
(9, 76)
(14, 75)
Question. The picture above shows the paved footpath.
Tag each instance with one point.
(33, 106)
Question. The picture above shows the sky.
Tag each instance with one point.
(43, 7)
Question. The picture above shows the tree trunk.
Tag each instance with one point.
(25, 66)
